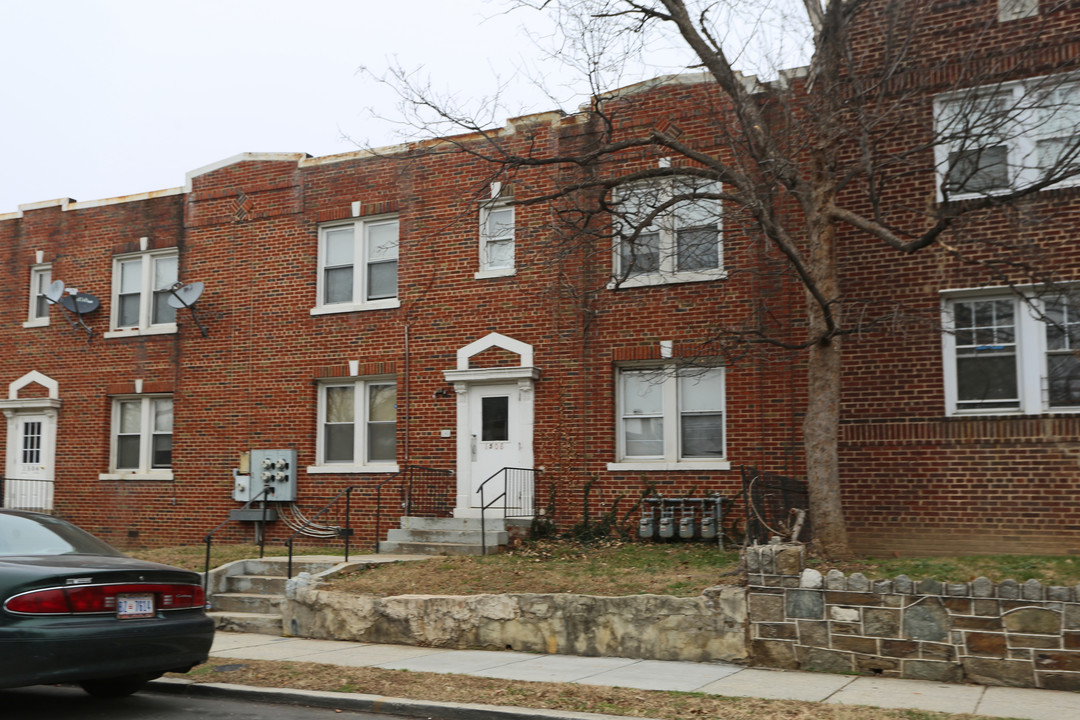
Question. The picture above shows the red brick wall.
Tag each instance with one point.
(914, 480)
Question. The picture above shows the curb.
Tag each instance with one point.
(367, 703)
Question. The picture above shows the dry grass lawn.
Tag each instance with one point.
(552, 696)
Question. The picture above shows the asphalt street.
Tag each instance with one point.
(71, 703)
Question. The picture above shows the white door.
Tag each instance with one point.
(30, 487)
(495, 439)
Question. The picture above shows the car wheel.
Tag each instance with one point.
(115, 687)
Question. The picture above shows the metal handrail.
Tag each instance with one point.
(208, 538)
(484, 506)
(345, 532)
(409, 471)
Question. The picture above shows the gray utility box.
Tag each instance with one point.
(276, 469)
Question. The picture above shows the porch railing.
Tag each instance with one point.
(423, 492)
(516, 487)
(26, 494)
(263, 496)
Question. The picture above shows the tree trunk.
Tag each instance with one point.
(821, 427)
(820, 431)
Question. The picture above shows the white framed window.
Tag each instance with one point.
(670, 418)
(1017, 9)
(357, 426)
(40, 278)
(140, 293)
(141, 445)
(995, 139)
(661, 239)
(496, 240)
(1005, 353)
(358, 265)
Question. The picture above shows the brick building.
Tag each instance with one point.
(372, 312)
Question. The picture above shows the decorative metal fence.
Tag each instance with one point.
(776, 505)
(24, 494)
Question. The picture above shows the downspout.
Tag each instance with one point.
(408, 396)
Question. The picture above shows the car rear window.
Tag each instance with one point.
(24, 535)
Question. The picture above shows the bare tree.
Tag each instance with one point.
(808, 159)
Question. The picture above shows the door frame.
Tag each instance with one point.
(16, 408)
(464, 378)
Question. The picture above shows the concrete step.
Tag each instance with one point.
(435, 548)
(246, 603)
(458, 537)
(264, 584)
(277, 566)
(462, 524)
(262, 623)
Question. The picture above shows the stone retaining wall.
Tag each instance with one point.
(706, 628)
(1023, 635)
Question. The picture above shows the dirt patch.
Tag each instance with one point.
(553, 696)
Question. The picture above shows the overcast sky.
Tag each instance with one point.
(115, 97)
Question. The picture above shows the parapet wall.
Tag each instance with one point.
(1008, 633)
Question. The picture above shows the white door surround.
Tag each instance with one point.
(503, 397)
(31, 441)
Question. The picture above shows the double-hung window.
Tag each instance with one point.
(141, 290)
(667, 231)
(358, 265)
(1011, 354)
(357, 426)
(670, 418)
(496, 240)
(142, 436)
(40, 277)
(992, 140)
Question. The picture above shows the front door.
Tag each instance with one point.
(30, 486)
(496, 434)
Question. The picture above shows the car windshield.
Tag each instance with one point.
(44, 535)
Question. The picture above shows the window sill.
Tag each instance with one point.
(165, 475)
(661, 465)
(1011, 412)
(351, 469)
(169, 329)
(495, 273)
(955, 197)
(388, 304)
(40, 322)
(666, 279)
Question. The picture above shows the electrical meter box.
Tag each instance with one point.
(269, 468)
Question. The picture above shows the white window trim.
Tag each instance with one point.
(144, 471)
(146, 296)
(360, 430)
(32, 318)
(1031, 367)
(485, 210)
(672, 427)
(1022, 134)
(359, 269)
(668, 273)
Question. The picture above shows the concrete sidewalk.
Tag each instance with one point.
(713, 678)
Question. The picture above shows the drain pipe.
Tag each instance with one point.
(408, 396)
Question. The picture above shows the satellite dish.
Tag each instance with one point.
(55, 291)
(185, 295)
(81, 303)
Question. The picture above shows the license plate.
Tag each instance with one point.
(134, 605)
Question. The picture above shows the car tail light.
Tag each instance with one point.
(102, 598)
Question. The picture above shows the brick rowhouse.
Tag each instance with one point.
(544, 326)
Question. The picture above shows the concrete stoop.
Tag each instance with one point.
(453, 536)
(246, 595)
